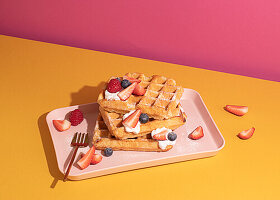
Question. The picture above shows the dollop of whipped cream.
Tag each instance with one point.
(111, 96)
(163, 143)
(135, 130)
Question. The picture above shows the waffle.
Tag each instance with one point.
(103, 139)
(161, 100)
(113, 122)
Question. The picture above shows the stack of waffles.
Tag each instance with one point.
(160, 101)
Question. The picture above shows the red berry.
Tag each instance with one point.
(76, 117)
(114, 86)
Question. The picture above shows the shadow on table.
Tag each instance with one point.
(86, 94)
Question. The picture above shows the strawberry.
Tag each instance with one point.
(237, 110)
(85, 161)
(246, 134)
(132, 120)
(160, 135)
(96, 159)
(61, 125)
(125, 94)
(139, 90)
(114, 86)
(132, 80)
(197, 133)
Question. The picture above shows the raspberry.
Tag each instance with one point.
(114, 86)
(76, 117)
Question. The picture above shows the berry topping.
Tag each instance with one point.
(76, 117)
(139, 90)
(125, 94)
(132, 120)
(86, 159)
(237, 110)
(125, 83)
(61, 125)
(108, 152)
(96, 159)
(132, 80)
(114, 86)
(172, 136)
(161, 135)
(119, 79)
(197, 133)
(246, 134)
(144, 118)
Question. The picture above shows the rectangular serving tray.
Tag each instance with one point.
(184, 149)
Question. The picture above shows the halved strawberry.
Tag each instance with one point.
(132, 120)
(161, 135)
(237, 110)
(139, 90)
(246, 134)
(197, 133)
(85, 161)
(125, 94)
(62, 125)
(132, 80)
(96, 159)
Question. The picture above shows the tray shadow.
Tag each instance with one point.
(86, 94)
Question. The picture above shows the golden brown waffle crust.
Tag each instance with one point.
(161, 100)
(103, 139)
(113, 122)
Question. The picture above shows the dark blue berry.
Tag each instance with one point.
(125, 83)
(108, 152)
(172, 136)
(144, 118)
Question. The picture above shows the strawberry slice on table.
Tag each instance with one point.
(125, 94)
(85, 161)
(161, 135)
(197, 133)
(132, 80)
(139, 90)
(246, 134)
(132, 120)
(62, 125)
(237, 110)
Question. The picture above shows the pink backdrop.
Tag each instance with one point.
(235, 36)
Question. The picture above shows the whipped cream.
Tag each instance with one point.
(135, 130)
(111, 96)
(163, 143)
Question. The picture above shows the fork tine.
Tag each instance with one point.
(79, 138)
(82, 138)
(74, 138)
(86, 140)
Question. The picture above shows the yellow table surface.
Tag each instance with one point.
(38, 77)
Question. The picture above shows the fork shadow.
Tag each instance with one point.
(86, 94)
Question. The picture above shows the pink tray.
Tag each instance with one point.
(184, 149)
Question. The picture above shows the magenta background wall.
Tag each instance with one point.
(235, 36)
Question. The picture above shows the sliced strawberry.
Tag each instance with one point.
(161, 135)
(139, 90)
(132, 80)
(61, 125)
(125, 94)
(96, 159)
(246, 134)
(237, 110)
(197, 133)
(85, 161)
(132, 120)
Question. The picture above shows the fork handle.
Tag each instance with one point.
(71, 163)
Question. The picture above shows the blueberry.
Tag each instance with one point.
(172, 136)
(144, 118)
(125, 83)
(108, 152)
